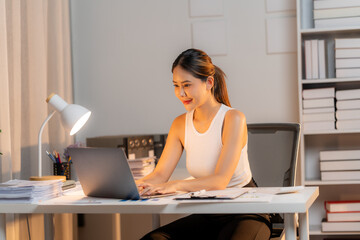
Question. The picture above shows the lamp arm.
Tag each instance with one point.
(39, 142)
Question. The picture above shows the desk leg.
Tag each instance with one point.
(304, 226)
(2, 226)
(155, 221)
(49, 226)
(290, 227)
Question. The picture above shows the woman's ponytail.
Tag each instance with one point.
(219, 89)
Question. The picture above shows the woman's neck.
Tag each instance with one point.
(206, 111)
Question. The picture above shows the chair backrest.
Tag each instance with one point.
(273, 151)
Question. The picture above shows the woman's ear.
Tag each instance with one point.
(210, 82)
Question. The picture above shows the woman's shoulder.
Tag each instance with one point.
(180, 117)
(178, 127)
(235, 122)
(180, 120)
(235, 115)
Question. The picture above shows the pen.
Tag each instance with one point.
(51, 156)
(54, 154)
(64, 159)
(58, 156)
(198, 193)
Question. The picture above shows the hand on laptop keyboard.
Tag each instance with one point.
(144, 191)
(148, 189)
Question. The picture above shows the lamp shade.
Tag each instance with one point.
(73, 116)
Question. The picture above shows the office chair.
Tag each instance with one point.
(273, 151)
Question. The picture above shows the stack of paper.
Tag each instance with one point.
(315, 59)
(347, 54)
(342, 216)
(348, 109)
(29, 191)
(340, 165)
(141, 167)
(336, 13)
(318, 109)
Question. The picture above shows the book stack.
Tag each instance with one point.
(342, 216)
(16, 191)
(318, 109)
(336, 13)
(142, 167)
(348, 109)
(315, 59)
(340, 165)
(347, 57)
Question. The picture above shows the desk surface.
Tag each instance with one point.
(298, 202)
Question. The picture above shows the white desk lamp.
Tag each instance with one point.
(73, 118)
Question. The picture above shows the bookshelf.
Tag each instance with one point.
(314, 141)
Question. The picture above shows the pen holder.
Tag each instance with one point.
(63, 169)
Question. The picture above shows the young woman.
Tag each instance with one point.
(214, 136)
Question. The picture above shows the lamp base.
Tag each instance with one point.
(51, 177)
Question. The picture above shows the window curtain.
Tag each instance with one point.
(35, 60)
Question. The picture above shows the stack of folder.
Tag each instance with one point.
(340, 165)
(318, 109)
(348, 109)
(141, 167)
(347, 61)
(336, 13)
(342, 216)
(29, 191)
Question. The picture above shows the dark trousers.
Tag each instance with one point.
(215, 226)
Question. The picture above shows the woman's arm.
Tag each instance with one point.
(234, 138)
(170, 155)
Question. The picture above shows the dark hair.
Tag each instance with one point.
(199, 64)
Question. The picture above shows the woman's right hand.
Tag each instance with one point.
(140, 185)
(159, 188)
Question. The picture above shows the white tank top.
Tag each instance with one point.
(203, 150)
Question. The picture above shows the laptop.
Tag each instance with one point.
(104, 172)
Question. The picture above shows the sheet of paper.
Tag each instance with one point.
(254, 197)
(278, 190)
(150, 201)
(72, 200)
(230, 193)
(249, 195)
(84, 200)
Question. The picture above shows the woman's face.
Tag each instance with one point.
(191, 91)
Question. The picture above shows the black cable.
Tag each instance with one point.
(28, 226)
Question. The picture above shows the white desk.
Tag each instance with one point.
(289, 204)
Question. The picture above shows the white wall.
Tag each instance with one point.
(122, 57)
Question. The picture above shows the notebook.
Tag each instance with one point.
(105, 172)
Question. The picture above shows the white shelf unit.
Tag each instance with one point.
(312, 142)
(316, 230)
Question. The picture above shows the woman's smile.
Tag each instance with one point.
(186, 102)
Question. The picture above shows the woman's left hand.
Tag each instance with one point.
(148, 189)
